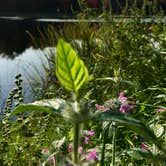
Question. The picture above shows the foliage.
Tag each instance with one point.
(78, 113)
(121, 55)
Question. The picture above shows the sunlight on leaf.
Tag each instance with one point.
(50, 106)
(70, 69)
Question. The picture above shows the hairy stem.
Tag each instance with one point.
(76, 142)
(114, 142)
(103, 147)
(77, 128)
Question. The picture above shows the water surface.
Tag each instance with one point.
(25, 64)
(18, 54)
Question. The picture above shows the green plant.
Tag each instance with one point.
(24, 136)
(73, 74)
(15, 98)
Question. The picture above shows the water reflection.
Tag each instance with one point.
(25, 64)
(16, 33)
(18, 54)
(14, 38)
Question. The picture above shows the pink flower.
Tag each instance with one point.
(51, 159)
(45, 151)
(124, 108)
(91, 132)
(98, 106)
(106, 109)
(122, 97)
(92, 155)
(160, 110)
(70, 148)
(101, 107)
(124, 104)
(80, 149)
(86, 140)
(132, 107)
(144, 146)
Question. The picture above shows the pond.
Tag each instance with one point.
(18, 54)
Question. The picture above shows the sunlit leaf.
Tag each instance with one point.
(50, 106)
(70, 69)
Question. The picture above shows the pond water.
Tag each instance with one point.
(25, 64)
(17, 55)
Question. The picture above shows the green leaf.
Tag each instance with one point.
(55, 106)
(128, 121)
(70, 69)
(140, 154)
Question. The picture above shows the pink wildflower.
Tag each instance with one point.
(70, 148)
(132, 107)
(45, 151)
(160, 110)
(92, 155)
(106, 109)
(124, 108)
(98, 106)
(91, 132)
(144, 146)
(101, 107)
(122, 97)
(51, 158)
(80, 149)
(86, 140)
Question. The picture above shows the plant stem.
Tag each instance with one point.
(103, 147)
(76, 141)
(154, 153)
(114, 142)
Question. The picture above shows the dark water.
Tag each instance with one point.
(14, 34)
